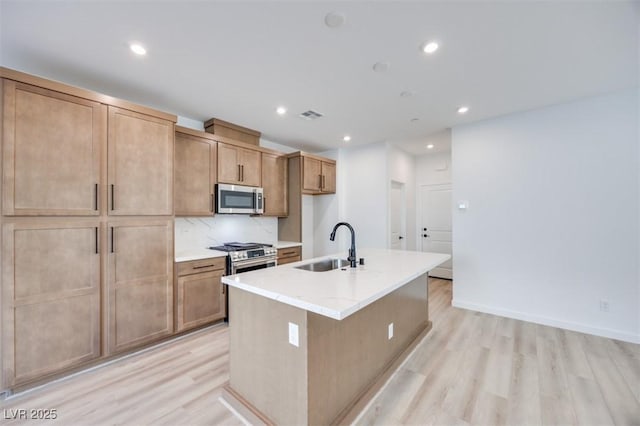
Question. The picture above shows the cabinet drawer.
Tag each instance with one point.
(288, 255)
(285, 260)
(202, 265)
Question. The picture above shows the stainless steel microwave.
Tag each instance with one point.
(236, 199)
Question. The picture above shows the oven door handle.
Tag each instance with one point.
(260, 261)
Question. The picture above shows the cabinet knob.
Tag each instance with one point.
(425, 235)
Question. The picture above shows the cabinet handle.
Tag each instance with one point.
(242, 172)
(203, 266)
(320, 176)
(95, 197)
(97, 252)
(323, 181)
(288, 253)
(223, 286)
(112, 248)
(113, 201)
(212, 206)
(239, 177)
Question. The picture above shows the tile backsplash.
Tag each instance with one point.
(203, 232)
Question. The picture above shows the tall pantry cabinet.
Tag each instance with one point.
(87, 227)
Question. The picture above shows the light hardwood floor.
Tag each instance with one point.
(472, 368)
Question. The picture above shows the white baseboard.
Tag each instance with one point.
(582, 328)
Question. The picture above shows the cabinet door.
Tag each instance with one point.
(140, 282)
(51, 152)
(274, 182)
(311, 175)
(51, 293)
(201, 299)
(228, 164)
(195, 173)
(250, 167)
(328, 177)
(140, 164)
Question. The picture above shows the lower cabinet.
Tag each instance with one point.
(139, 282)
(200, 296)
(51, 297)
(289, 255)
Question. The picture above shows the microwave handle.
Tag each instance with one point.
(259, 200)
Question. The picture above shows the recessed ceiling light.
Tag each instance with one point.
(381, 66)
(430, 146)
(346, 138)
(415, 120)
(463, 110)
(138, 49)
(334, 20)
(430, 47)
(281, 110)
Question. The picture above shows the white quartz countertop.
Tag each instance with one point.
(286, 244)
(338, 293)
(197, 254)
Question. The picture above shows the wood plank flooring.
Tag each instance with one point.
(472, 369)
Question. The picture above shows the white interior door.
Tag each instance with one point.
(435, 229)
(397, 224)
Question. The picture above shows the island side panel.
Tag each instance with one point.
(345, 357)
(265, 369)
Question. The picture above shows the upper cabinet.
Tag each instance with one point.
(195, 173)
(52, 151)
(318, 174)
(274, 182)
(140, 175)
(238, 165)
(69, 154)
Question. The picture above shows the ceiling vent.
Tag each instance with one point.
(310, 115)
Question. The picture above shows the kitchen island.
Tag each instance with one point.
(310, 347)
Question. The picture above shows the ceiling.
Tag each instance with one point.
(238, 61)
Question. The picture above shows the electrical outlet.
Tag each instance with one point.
(293, 334)
(604, 305)
(390, 333)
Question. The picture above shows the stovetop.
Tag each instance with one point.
(236, 246)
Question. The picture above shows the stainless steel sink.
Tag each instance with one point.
(325, 265)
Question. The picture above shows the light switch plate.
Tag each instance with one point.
(293, 334)
(390, 334)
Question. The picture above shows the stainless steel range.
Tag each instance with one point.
(244, 257)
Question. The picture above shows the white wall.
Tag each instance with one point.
(402, 169)
(363, 196)
(553, 220)
(433, 169)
